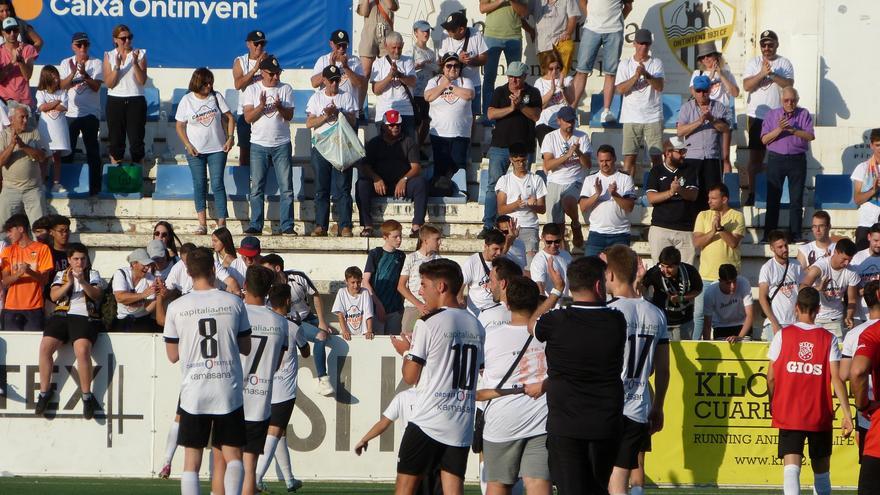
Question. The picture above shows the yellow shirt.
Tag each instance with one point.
(717, 252)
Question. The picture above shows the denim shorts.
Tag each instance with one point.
(611, 45)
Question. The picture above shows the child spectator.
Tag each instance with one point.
(354, 306)
(52, 105)
(427, 249)
(26, 268)
(381, 274)
(58, 230)
(521, 194)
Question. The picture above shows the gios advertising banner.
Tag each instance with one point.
(190, 33)
(717, 422)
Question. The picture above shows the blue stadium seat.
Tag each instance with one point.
(300, 101)
(761, 193)
(173, 182)
(671, 107)
(834, 192)
(107, 194)
(731, 180)
(238, 183)
(597, 104)
(231, 95)
(176, 96)
(154, 103)
(75, 178)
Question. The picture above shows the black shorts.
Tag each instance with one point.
(281, 413)
(70, 328)
(632, 438)
(792, 442)
(256, 436)
(646, 444)
(222, 429)
(420, 454)
(755, 142)
(869, 476)
(579, 465)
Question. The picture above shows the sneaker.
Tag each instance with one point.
(319, 232)
(43, 403)
(253, 231)
(290, 231)
(324, 386)
(607, 117)
(483, 233)
(262, 487)
(201, 230)
(294, 485)
(58, 188)
(90, 405)
(165, 473)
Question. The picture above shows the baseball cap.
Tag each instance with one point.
(270, 63)
(9, 23)
(421, 26)
(766, 35)
(340, 36)
(702, 83)
(79, 37)
(156, 250)
(256, 36)
(567, 114)
(517, 69)
(677, 143)
(249, 246)
(455, 20)
(139, 255)
(644, 36)
(449, 56)
(392, 117)
(332, 73)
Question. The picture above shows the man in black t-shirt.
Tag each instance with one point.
(672, 286)
(515, 108)
(584, 349)
(391, 169)
(672, 190)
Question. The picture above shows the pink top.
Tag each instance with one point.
(13, 85)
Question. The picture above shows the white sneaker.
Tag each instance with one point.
(607, 117)
(324, 387)
(294, 485)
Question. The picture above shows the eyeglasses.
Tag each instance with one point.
(61, 231)
(680, 151)
(553, 241)
(790, 100)
(163, 235)
(125, 38)
(259, 43)
(81, 44)
(452, 66)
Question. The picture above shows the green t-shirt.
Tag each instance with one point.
(503, 23)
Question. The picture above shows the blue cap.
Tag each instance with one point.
(567, 114)
(702, 83)
(421, 26)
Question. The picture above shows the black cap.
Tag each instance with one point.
(644, 36)
(449, 56)
(256, 36)
(331, 73)
(455, 20)
(769, 35)
(270, 63)
(79, 37)
(340, 36)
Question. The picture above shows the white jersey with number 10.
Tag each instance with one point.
(645, 328)
(449, 345)
(206, 324)
(269, 336)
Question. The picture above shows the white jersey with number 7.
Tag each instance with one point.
(269, 335)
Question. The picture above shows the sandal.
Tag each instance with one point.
(367, 232)
(202, 230)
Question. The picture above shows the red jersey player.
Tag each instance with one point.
(867, 362)
(804, 364)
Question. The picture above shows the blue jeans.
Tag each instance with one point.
(512, 53)
(331, 184)
(611, 45)
(281, 160)
(199, 166)
(698, 311)
(499, 160)
(310, 330)
(596, 242)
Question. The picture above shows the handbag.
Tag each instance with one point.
(409, 96)
(124, 179)
(339, 145)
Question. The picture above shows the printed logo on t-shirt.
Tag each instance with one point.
(80, 86)
(640, 86)
(354, 317)
(831, 290)
(871, 273)
(270, 109)
(787, 289)
(205, 115)
(805, 351)
(53, 114)
(449, 96)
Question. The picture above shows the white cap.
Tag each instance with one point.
(677, 143)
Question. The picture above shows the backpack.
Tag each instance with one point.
(108, 305)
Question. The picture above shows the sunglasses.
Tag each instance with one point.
(11, 30)
(125, 38)
(701, 91)
(768, 45)
(163, 235)
(259, 43)
(452, 66)
(393, 125)
(81, 44)
(553, 241)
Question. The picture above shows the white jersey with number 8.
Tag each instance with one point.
(449, 346)
(206, 324)
(269, 335)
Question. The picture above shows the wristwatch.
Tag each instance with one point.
(719, 229)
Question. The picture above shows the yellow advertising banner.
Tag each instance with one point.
(717, 422)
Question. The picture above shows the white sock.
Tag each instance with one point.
(282, 459)
(483, 481)
(266, 459)
(791, 479)
(189, 483)
(637, 490)
(234, 477)
(822, 483)
(171, 442)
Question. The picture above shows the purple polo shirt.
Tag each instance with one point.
(787, 143)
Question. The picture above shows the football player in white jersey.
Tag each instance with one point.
(283, 394)
(206, 330)
(646, 352)
(443, 359)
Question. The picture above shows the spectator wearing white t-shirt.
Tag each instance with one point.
(724, 90)
(866, 190)
(322, 113)
(728, 307)
(609, 195)
(551, 234)
(556, 92)
(394, 78)
(470, 46)
(135, 290)
(82, 76)
(268, 108)
(823, 245)
(778, 286)
(521, 195)
(448, 95)
(475, 272)
(206, 128)
(514, 247)
(835, 282)
(51, 104)
(246, 71)
(353, 306)
(408, 285)
(125, 73)
(763, 79)
(866, 264)
(567, 160)
(354, 79)
(640, 80)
